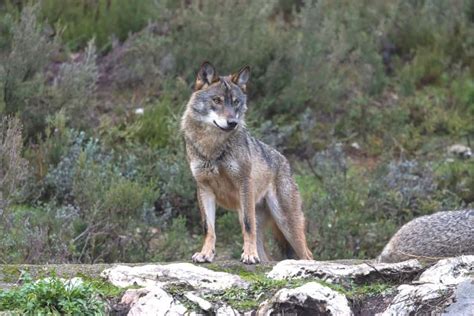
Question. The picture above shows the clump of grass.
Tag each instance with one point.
(53, 296)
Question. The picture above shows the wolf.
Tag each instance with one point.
(238, 172)
(432, 237)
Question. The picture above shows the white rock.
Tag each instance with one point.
(159, 275)
(156, 302)
(460, 150)
(444, 284)
(139, 111)
(411, 298)
(335, 272)
(203, 304)
(226, 310)
(312, 298)
(131, 296)
(355, 145)
(449, 271)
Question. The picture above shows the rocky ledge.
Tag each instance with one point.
(293, 288)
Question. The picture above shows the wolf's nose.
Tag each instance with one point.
(232, 124)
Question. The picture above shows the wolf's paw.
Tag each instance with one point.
(201, 257)
(249, 258)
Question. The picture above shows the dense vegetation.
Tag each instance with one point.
(363, 97)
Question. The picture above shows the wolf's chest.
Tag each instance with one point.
(207, 170)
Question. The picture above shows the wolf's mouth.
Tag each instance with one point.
(224, 129)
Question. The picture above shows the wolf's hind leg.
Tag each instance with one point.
(263, 219)
(285, 207)
(207, 206)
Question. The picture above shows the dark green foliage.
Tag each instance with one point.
(103, 20)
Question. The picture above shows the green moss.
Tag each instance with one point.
(355, 291)
(10, 273)
(260, 289)
(105, 288)
(177, 290)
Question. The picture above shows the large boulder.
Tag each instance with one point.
(160, 275)
(334, 272)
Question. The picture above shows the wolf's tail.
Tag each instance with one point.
(289, 224)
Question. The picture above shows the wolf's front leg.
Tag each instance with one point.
(207, 206)
(248, 223)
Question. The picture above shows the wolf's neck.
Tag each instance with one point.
(208, 142)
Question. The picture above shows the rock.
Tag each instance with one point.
(202, 303)
(131, 296)
(449, 271)
(432, 237)
(444, 286)
(310, 299)
(156, 302)
(343, 273)
(460, 151)
(159, 275)
(462, 300)
(226, 310)
(418, 299)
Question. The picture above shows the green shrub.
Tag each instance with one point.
(458, 177)
(100, 19)
(52, 296)
(13, 168)
(22, 82)
(74, 86)
(49, 227)
(176, 243)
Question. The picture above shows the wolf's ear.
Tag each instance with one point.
(242, 77)
(207, 74)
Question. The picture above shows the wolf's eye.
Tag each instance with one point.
(216, 100)
(235, 102)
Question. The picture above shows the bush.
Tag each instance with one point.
(74, 86)
(352, 213)
(100, 19)
(176, 243)
(22, 82)
(52, 296)
(13, 168)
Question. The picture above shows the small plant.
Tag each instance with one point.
(53, 296)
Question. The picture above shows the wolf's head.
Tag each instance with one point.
(219, 101)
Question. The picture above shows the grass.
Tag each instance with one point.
(53, 296)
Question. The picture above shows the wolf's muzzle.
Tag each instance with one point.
(232, 124)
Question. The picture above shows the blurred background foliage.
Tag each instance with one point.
(363, 97)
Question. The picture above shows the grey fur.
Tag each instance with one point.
(432, 237)
(242, 173)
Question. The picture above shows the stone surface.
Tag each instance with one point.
(159, 275)
(202, 303)
(415, 299)
(339, 272)
(156, 302)
(183, 288)
(449, 271)
(311, 299)
(226, 310)
(462, 300)
(446, 286)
